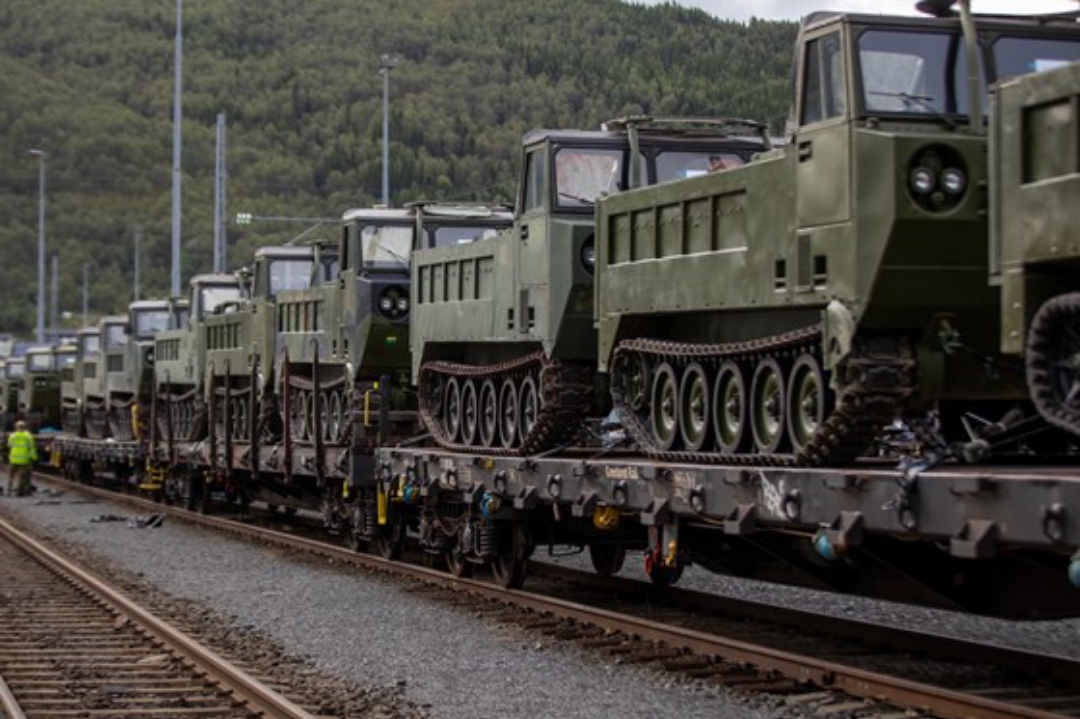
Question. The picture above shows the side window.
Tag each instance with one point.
(534, 182)
(343, 248)
(823, 87)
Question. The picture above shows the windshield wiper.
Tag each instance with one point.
(583, 200)
(403, 261)
(922, 101)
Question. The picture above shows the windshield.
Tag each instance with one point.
(449, 235)
(15, 370)
(67, 360)
(115, 336)
(211, 297)
(41, 362)
(150, 322)
(680, 165)
(89, 345)
(288, 275)
(582, 175)
(386, 245)
(925, 73)
(1023, 55)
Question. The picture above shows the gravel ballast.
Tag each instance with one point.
(371, 631)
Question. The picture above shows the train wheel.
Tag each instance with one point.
(509, 413)
(529, 401)
(665, 576)
(389, 542)
(694, 407)
(456, 563)
(665, 406)
(767, 406)
(607, 559)
(807, 400)
(452, 405)
(470, 412)
(489, 413)
(508, 567)
(729, 408)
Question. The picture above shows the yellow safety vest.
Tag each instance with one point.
(23, 449)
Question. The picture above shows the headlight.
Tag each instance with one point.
(394, 302)
(954, 181)
(922, 180)
(588, 255)
(937, 178)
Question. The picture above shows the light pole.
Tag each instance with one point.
(41, 246)
(386, 64)
(177, 120)
(85, 293)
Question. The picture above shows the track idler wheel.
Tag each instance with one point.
(1053, 361)
(767, 404)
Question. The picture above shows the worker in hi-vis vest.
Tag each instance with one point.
(23, 454)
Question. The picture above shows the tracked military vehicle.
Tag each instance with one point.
(129, 378)
(1035, 253)
(784, 311)
(73, 389)
(179, 404)
(344, 345)
(85, 381)
(504, 351)
(39, 395)
(14, 370)
(241, 342)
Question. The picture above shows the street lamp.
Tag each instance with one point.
(41, 245)
(386, 64)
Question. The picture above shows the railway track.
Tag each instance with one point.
(71, 646)
(821, 663)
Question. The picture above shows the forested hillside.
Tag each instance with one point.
(90, 82)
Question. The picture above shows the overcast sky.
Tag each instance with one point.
(794, 9)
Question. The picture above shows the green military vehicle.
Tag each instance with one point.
(344, 347)
(85, 381)
(784, 311)
(1035, 249)
(241, 342)
(11, 381)
(503, 345)
(39, 395)
(112, 346)
(129, 362)
(180, 362)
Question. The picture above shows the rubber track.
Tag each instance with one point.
(874, 387)
(566, 393)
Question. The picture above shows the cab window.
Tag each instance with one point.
(534, 182)
(823, 85)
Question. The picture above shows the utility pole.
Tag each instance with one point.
(85, 293)
(386, 64)
(177, 119)
(138, 264)
(53, 327)
(220, 175)
(41, 246)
